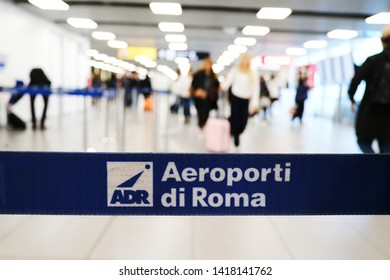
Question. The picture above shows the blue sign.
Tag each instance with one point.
(193, 184)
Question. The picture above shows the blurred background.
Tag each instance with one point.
(101, 45)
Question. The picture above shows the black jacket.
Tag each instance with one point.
(38, 78)
(212, 92)
(372, 120)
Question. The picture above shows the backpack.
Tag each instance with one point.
(381, 94)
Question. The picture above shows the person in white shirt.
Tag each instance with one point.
(181, 89)
(245, 90)
(273, 88)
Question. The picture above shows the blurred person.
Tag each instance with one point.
(96, 83)
(265, 100)
(244, 97)
(38, 78)
(185, 96)
(145, 87)
(126, 85)
(176, 91)
(112, 85)
(130, 84)
(300, 98)
(112, 82)
(204, 89)
(182, 88)
(373, 115)
(134, 86)
(273, 89)
(13, 121)
(96, 80)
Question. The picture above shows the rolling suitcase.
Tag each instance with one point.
(217, 135)
(14, 122)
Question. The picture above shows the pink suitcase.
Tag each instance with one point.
(217, 135)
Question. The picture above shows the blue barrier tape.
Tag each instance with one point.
(110, 93)
(193, 184)
(162, 91)
(31, 90)
(94, 92)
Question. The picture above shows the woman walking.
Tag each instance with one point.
(300, 98)
(38, 79)
(204, 90)
(245, 90)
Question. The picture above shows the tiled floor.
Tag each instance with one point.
(67, 237)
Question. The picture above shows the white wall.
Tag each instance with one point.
(28, 41)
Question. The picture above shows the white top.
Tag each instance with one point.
(273, 88)
(181, 87)
(244, 86)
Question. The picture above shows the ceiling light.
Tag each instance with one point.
(176, 38)
(255, 30)
(100, 56)
(117, 44)
(225, 61)
(110, 60)
(217, 68)
(231, 54)
(182, 60)
(178, 46)
(273, 13)
(296, 51)
(166, 8)
(141, 59)
(282, 60)
(147, 62)
(92, 52)
(129, 66)
(342, 34)
(96, 64)
(151, 64)
(245, 41)
(184, 68)
(142, 71)
(99, 35)
(236, 48)
(82, 23)
(171, 26)
(93, 63)
(381, 18)
(121, 63)
(167, 71)
(315, 44)
(50, 4)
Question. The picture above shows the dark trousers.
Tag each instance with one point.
(365, 146)
(203, 108)
(33, 116)
(238, 117)
(300, 106)
(186, 103)
(128, 97)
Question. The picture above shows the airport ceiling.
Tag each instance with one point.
(212, 26)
